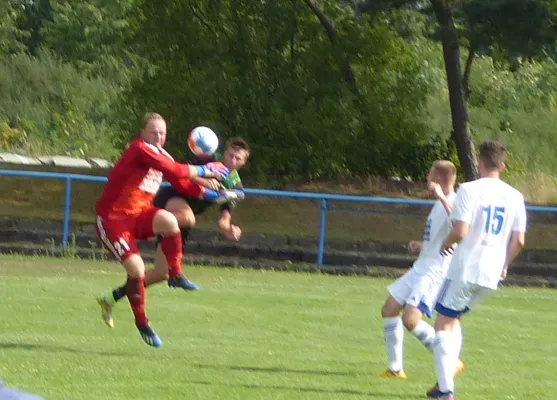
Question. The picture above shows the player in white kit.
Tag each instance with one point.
(414, 294)
(489, 225)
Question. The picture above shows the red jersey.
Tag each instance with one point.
(136, 177)
(186, 187)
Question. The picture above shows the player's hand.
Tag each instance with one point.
(216, 170)
(210, 183)
(414, 247)
(503, 274)
(226, 196)
(447, 249)
(233, 233)
(436, 189)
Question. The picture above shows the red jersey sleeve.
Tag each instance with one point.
(187, 187)
(154, 158)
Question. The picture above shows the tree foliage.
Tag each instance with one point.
(318, 87)
(269, 71)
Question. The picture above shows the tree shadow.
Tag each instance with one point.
(49, 348)
(303, 389)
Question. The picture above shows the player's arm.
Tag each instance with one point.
(517, 240)
(224, 222)
(461, 216)
(231, 231)
(447, 204)
(515, 246)
(438, 192)
(459, 232)
(209, 183)
(415, 246)
(172, 170)
(188, 187)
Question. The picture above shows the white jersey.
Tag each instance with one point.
(437, 227)
(494, 210)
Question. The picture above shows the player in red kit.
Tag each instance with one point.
(124, 212)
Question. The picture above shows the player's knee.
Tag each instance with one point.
(185, 219)
(445, 323)
(411, 316)
(165, 223)
(134, 266)
(387, 311)
(409, 320)
(182, 211)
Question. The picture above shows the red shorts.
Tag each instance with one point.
(118, 234)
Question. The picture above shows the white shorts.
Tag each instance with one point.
(456, 298)
(416, 290)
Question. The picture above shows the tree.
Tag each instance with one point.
(342, 59)
(507, 30)
(93, 36)
(503, 29)
(271, 72)
(10, 35)
(459, 110)
(35, 14)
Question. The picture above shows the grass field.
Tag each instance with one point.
(251, 335)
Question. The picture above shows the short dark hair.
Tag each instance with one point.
(237, 143)
(492, 153)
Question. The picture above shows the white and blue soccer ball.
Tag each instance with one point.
(203, 142)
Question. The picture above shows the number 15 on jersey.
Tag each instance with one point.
(494, 219)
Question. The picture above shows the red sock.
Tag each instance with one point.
(171, 247)
(135, 290)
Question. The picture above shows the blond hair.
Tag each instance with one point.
(446, 170)
(150, 116)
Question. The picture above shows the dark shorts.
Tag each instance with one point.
(166, 193)
(198, 206)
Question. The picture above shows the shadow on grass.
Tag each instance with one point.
(308, 390)
(49, 348)
(276, 369)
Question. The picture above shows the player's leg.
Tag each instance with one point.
(422, 301)
(446, 351)
(117, 238)
(166, 225)
(135, 292)
(185, 216)
(393, 329)
(412, 319)
(455, 299)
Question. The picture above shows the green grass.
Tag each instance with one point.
(251, 335)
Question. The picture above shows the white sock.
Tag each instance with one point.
(425, 333)
(393, 331)
(445, 360)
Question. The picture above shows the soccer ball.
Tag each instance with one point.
(202, 141)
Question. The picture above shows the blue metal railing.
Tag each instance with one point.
(324, 198)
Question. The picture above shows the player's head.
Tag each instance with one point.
(236, 153)
(154, 129)
(492, 157)
(442, 172)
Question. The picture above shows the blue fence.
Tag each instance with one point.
(323, 198)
